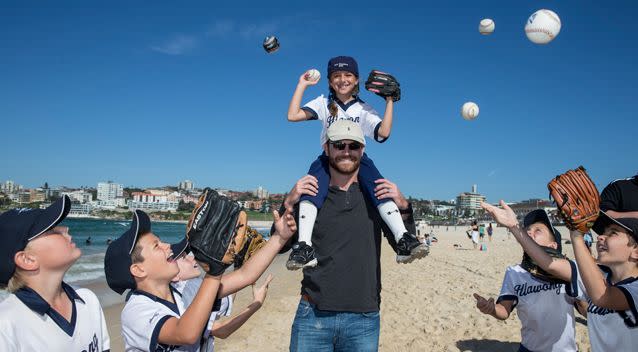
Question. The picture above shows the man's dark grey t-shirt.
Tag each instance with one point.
(347, 243)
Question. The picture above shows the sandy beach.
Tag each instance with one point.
(426, 305)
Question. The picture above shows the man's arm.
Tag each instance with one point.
(387, 189)
(559, 268)
(622, 214)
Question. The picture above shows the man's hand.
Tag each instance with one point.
(259, 293)
(386, 189)
(306, 185)
(285, 225)
(486, 306)
(505, 216)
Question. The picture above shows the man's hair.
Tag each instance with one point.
(136, 254)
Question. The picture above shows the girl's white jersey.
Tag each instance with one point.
(355, 110)
(608, 330)
(28, 323)
(546, 311)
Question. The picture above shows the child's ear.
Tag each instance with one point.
(137, 270)
(26, 261)
(634, 253)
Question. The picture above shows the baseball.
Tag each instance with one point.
(470, 110)
(542, 26)
(312, 75)
(486, 27)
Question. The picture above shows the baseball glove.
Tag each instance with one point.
(254, 242)
(577, 199)
(536, 271)
(216, 231)
(383, 85)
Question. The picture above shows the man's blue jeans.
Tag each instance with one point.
(326, 331)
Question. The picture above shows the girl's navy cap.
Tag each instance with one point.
(540, 215)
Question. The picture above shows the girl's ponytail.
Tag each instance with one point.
(332, 103)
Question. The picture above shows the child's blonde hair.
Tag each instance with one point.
(15, 282)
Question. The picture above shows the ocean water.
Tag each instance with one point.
(90, 266)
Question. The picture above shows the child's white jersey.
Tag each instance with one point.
(608, 329)
(28, 323)
(546, 310)
(355, 110)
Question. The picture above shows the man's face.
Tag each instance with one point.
(343, 158)
(541, 234)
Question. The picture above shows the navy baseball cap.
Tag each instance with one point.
(540, 215)
(343, 63)
(117, 261)
(19, 226)
(179, 248)
(604, 220)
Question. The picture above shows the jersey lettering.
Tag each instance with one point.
(525, 289)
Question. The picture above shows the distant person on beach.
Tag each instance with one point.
(343, 103)
(620, 198)
(88, 241)
(187, 283)
(608, 283)
(42, 312)
(490, 231)
(545, 309)
(474, 234)
(154, 318)
(482, 232)
(342, 293)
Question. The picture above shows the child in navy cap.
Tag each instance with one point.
(156, 315)
(43, 313)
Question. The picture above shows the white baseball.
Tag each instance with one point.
(542, 26)
(486, 26)
(470, 110)
(312, 75)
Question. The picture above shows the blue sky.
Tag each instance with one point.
(154, 93)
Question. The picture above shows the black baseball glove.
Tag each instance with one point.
(383, 85)
(216, 231)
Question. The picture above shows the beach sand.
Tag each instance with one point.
(426, 305)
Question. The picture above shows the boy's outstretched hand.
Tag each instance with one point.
(259, 293)
(486, 306)
(285, 225)
(505, 216)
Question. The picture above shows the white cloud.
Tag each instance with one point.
(221, 28)
(177, 45)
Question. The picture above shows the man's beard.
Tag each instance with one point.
(348, 169)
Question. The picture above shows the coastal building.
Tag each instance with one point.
(186, 185)
(80, 210)
(109, 190)
(261, 193)
(154, 200)
(469, 201)
(80, 196)
(524, 207)
(10, 187)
